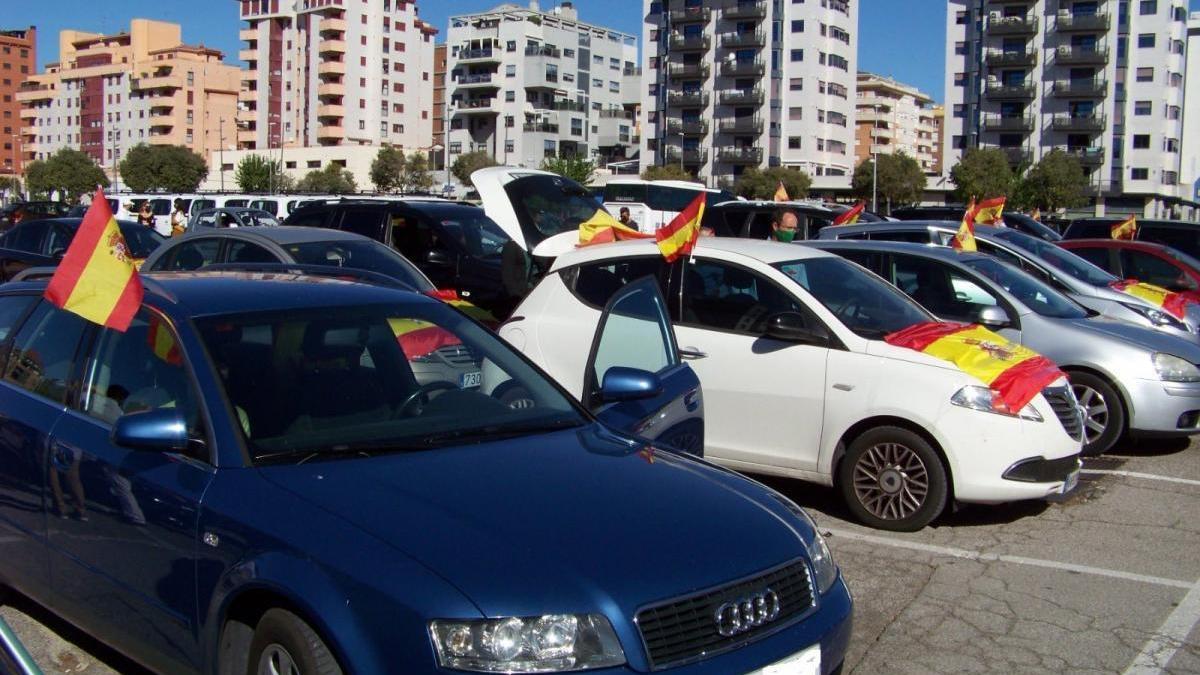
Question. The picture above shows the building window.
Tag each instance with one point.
(1145, 40)
(1145, 74)
(797, 55)
(796, 84)
(1141, 141)
(1148, 7)
(1139, 174)
(793, 142)
(796, 113)
(798, 26)
(1143, 108)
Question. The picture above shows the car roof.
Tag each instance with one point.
(926, 250)
(234, 209)
(771, 204)
(764, 251)
(284, 234)
(1111, 243)
(75, 221)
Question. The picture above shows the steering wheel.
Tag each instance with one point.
(420, 394)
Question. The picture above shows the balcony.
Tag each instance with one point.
(331, 89)
(1008, 92)
(484, 55)
(744, 39)
(247, 116)
(331, 25)
(687, 99)
(1012, 25)
(1023, 123)
(690, 15)
(685, 71)
(745, 11)
(28, 113)
(540, 128)
(331, 132)
(569, 106)
(247, 136)
(35, 92)
(1066, 23)
(740, 155)
(1077, 56)
(687, 157)
(687, 128)
(552, 52)
(478, 81)
(1079, 123)
(1092, 88)
(690, 43)
(741, 97)
(331, 47)
(478, 106)
(248, 34)
(743, 68)
(1088, 157)
(247, 54)
(331, 69)
(247, 95)
(741, 125)
(1018, 155)
(331, 110)
(166, 81)
(999, 58)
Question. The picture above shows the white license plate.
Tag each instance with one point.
(1071, 481)
(469, 380)
(807, 662)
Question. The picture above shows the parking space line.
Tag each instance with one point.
(1156, 655)
(1135, 474)
(1014, 559)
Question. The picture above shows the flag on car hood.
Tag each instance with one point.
(1126, 229)
(850, 217)
(990, 212)
(679, 237)
(1171, 302)
(602, 228)
(1016, 374)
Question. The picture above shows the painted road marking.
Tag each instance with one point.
(1156, 655)
(1145, 476)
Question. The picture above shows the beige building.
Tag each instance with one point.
(895, 117)
(109, 93)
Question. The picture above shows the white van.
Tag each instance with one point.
(655, 203)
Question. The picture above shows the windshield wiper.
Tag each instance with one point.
(497, 431)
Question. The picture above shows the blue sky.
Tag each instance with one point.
(901, 38)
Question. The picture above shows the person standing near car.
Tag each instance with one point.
(178, 219)
(145, 216)
(626, 220)
(784, 225)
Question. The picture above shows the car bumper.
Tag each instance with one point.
(1164, 407)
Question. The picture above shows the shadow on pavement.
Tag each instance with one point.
(1150, 447)
(64, 660)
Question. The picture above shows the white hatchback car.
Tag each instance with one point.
(798, 381)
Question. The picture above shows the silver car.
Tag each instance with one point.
(1126, 377)
(1081, 280)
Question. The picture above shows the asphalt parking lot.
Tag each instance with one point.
(1105, 580)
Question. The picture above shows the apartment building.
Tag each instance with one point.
(1190, 163)
(1101, 79)
(525, 84)
(109, 93)
(939, 139)
(731, 84)
(894, 117)
(18, 61)
(439, 104)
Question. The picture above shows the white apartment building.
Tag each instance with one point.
(1102, 79)
(1189, 169)
(895, 117)
(333, 73)
(730, 84)
(525, 84)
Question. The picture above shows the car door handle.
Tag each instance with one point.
(691, 353)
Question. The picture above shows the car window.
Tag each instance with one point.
(941, 289)
(912, 236)
(26, 237)
(596, 283)
(474, 232)
(412, 236)
(140, 239)
(1186, 239)
(726, 297)
(636, 334)
(12, 308)
(58, 238)
(1154, 270)
(246, 252)
(191, 255)
(308, 218)
(201, 204)
(44, 350)
(363, 255)
(1057, 257)
(1089, 230)
(367, 222)
(549, 205)
(863, 302)
(160, 207)
(234, 203)
(1098, 256)
(1031, 291)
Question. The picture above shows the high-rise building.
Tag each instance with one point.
(939, 139)
(894, 117)
(109, 93)
(1190, 163)
(1100, 79)
(526, 84)
(439, 104)
(18, 61)
(731, 84)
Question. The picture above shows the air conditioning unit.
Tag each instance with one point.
(992, 79)
(994, 17)
(1064, 50)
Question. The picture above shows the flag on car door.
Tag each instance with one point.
(679, 237)
(1126, 229)
(964, 239)
(850, 216)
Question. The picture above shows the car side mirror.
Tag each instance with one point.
(161, 430)
(437, 257)
(792, 327)
(629, 384)
(994, 317)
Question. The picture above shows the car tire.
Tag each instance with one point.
(1103, 412)
(284, 644)
(893, 479)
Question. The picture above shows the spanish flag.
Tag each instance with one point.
(1170, 302)
(97, 278)
(679, 237)
(990, 212)
(162, 341)
(850, 217)
(419, 339)
(1126, 229)
(964, 239)
(1037, 214)
(1014, 373)
(451, 297)
(602, 228)
(781, 194)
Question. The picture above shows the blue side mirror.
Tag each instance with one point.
(629, 384)
(162, 430)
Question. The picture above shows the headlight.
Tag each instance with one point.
(1156, 316)
(983, 398)
(1174, 369)
(538, 644)
(818, 552)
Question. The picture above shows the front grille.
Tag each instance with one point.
(685, 629)
(1062, 400)
(456, 355)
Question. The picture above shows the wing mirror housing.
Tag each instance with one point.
(792, 327)
(161, 430)
(629, 384)
(994, 317)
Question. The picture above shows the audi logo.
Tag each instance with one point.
(747, 613)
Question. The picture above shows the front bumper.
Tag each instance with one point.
(1164, 407)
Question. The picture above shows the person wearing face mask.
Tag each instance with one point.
(784, 225)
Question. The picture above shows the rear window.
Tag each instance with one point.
(549, 205)
(1089, 230)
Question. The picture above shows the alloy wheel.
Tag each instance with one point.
(1095, 412)
(276, 660)
(891, 481)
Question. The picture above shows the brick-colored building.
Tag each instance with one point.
(439, 101)
(18, 60)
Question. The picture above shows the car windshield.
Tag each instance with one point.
(140, 239)
(1032, 292)
(479, 235)
(353, 381)
(1057, 257)
(366, 255)
(863, 302)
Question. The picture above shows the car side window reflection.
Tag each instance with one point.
(12, 308)
(1154, 270)
(245, 252)
(635, 335)
(729, 298)
(44, 352)
(193, 255)
(1098, 257)
(940, 289)
(596, 283)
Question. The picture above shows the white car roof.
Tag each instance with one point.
(769, 252)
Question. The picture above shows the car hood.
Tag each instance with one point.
(887, 351)
(572, 521)
(1134, 335)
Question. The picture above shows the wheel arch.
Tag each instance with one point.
(1113, 382)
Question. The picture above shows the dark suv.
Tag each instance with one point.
(30, 211)
(1178, 234)
(456, 245)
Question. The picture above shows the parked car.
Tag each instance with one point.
(751, 219)
(456, 245)
(41, 243)
(1017, 221)
(251, 476)
(1180, 235)
(1085, 283)
(1152, 263)
(798, 381)
(231, 216)
(31, 211)
(1126, 377)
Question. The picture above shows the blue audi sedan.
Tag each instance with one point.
(254, 478)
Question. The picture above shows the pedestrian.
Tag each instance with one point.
(18, 215)
(784, 225)
(145, 215)
(178, 219)
(626, 220)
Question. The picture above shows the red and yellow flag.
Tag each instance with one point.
(1014, 373)
(964, 239)
(1126, 229)
(451, 297)
(97, 278)
(679, 237)
(1171, 302)
(850, 216)
(419, 339)
(602, 228)
(990, 212)
(162, 341)
(781, 194)
(1037, 214)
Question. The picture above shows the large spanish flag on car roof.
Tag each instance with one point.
(97, 278)
(679, 237)
(1014, 372)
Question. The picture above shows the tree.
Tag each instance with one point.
(576, 168)
(333, 179)
(70, 172)
(256, 173)
(417, 177)
(1056, 182)
(755, 183)
(467, 164)
(171, 168)
(667, 172)
(10, 186)
(982, 173)
(900, 180)
(388, 168)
